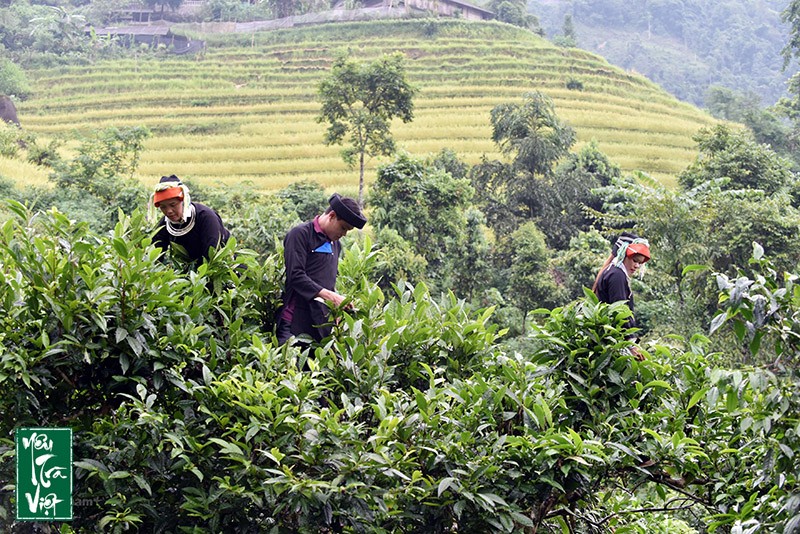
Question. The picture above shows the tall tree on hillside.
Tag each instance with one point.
(360, 100)
(569, 36)
(532, 134)
(534, 137)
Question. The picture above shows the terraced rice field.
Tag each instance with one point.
(246, 108)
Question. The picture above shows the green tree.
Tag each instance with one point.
(108, 156)
(307, 197)
(398, 260)
(735, 221)
(471, 264)
(735, 156)
(568, 37)
(172, 4)
(576, 267)
(791, 15)
(12, 27)
(515, 12)
(535, 139)
(59, 30)
(569, 28)
(283, 8)
(532, 134)
(13, 80)
(260, 224)
(448, 161)
(11, 139)
(429, 208)
(531, 282)
(221, 10)
(102, 13)
(359, 101)
(102, 173)
(570, 191)
(492, 179)
(765, 124)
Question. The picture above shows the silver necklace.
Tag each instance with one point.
(177, 232)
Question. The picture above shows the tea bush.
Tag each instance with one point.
(414, 416)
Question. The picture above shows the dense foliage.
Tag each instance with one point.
(413, 417)
(432, 210)
(768, 125)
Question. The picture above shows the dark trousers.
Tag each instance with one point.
(283, 331)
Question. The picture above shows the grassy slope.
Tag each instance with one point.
(246, 108)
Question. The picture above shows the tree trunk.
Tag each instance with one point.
(361, 180)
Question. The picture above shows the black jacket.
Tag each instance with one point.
(614, 286)
(312, 263)
(208, 232)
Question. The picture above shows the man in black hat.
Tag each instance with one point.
(311, 252)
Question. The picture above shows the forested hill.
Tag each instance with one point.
(683, 45)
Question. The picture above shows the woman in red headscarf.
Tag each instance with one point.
(628, 255)
(193, 226)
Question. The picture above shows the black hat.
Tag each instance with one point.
(351, 215)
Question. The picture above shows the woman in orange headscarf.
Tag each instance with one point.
(628, 255)
(193, 226)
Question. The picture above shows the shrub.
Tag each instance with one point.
(10, 140)
(13, 81)
(307, 197)
(572, 83)
(411, 417)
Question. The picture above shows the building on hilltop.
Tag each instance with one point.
(152, 35)
(140, 24)
(371, 10)
(445, 8)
